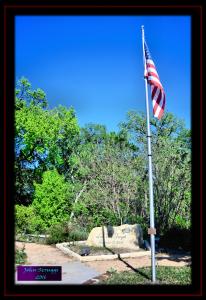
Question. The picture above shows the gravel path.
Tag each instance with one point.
(39, 254)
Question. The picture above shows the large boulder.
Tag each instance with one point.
(124, 236)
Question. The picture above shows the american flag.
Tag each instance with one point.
(157, 91)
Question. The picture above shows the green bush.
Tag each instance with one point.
(37, 224)
(77, 233)
(102, 217)
(57, 233)
(182, 222)
(20, 256)
(51, 200)
(63, 232)
(23, 219)
(27, 221)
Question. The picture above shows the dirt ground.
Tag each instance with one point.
(138, 262)
(38, 254)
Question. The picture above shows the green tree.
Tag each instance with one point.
(52, 199)
(171, 155)
(109, 172)
(23, 219)
(44, 139)
(64, 172)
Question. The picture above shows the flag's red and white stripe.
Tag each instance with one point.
(157, 91)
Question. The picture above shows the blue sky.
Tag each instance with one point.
(95, 63)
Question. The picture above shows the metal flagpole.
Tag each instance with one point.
(151, 230)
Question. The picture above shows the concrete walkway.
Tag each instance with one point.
(73, 272)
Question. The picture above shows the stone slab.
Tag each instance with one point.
(124, 236)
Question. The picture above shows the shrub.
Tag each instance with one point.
(51, 200)
(26, 221)
(23, 217)
(64, 232)
(182, 223)
(20, 256)
(77, 233)
(57, 233)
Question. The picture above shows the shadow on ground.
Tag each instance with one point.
(128, 265)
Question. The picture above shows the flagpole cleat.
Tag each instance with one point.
(151, 230)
